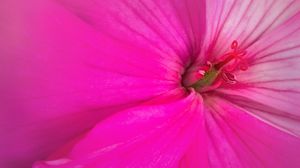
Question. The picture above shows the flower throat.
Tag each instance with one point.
(212, 75)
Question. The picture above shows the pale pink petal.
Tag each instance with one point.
(60, 73)
(151, 135)
(270, 88)
(246, 21)
(237, 139)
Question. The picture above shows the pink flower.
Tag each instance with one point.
(150, 83)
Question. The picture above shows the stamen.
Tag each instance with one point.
(201, 72)
(236, 56)
(229, 78)
(211, 75)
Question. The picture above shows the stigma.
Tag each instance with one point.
(213, 74)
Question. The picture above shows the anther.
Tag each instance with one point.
(234, 45)
(201, 72)
(235, 55)
(229, 78)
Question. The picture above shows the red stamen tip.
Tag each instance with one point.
(234, 45)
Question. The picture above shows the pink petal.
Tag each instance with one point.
(61, 72)
(173, 28)
(196, 154)
(151, 135)
(237, 139)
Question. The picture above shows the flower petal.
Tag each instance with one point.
(152, 135)
(57, 70)
(173, 28)
(270, 88)
(246, 21)
(237, 139)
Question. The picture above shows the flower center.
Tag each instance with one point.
(212, 75)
